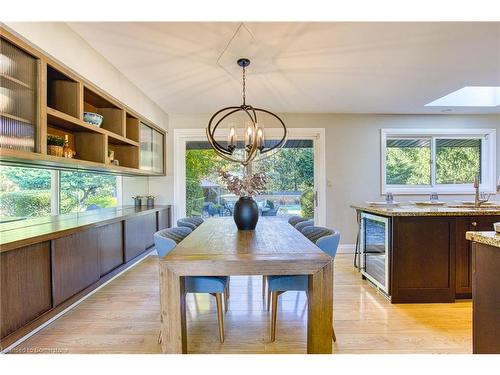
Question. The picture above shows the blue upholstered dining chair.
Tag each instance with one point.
(328, 241)
(165, 242)
(190, 222)
(306, 223)
(299, 223)
(294, 220)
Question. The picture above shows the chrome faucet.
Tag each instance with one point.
(478, 201)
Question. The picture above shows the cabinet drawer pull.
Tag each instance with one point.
(474, 223)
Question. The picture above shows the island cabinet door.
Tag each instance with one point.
(139, 232)
(110, 242)
(75, 263)
(423, 259)
(25, 286)
(463, 256)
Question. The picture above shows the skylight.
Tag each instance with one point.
(470, 96)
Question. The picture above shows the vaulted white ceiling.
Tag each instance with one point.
(302, 67)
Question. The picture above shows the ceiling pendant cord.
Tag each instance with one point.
(244, 86)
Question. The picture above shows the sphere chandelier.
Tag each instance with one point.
(253, 137)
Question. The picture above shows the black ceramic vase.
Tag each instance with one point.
(246, 213)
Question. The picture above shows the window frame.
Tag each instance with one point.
(488, 160)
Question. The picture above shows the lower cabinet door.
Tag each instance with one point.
(75, 263)
(25, 286)
(463, 257)
(139, 234)
(423, 251)
(110, 240)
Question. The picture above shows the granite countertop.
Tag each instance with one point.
(412, 210)
(487, 238)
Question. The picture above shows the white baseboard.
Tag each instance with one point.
(346, 249)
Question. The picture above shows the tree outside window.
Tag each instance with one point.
(84, 191)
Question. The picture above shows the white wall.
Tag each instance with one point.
(353, 154)
(64, 45)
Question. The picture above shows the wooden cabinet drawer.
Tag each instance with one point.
(25, 286)
(110, 242)
(139, 234)
(75, 263)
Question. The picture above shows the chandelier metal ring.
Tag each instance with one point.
(256, 132)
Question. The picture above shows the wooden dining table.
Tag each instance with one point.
(218, 248)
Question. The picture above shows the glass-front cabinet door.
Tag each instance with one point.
(152, 144)
(18, 98)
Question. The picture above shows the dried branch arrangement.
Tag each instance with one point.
(248, 186)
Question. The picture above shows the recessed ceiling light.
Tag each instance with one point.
(470, 96)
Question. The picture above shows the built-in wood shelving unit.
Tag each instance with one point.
(62, 98)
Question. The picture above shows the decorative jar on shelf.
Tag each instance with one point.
(68, 151)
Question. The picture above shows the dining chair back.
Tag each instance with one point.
(166, 239)
(325, 238)
(294, 220)
(303, 224)
(190, 222)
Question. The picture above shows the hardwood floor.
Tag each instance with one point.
(123, 317)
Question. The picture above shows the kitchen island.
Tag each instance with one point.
(49, 263)
(420, 254)
(485, 292)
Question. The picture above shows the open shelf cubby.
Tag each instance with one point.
(87, 144)
(113, 116)
(62, 92)
(127, 155)
(132, 127)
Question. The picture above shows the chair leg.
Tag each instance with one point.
(226, 297)
(274, 315)
(220, 316)
(227, 288)
(264, 288)
(268, 299)
(333, 335)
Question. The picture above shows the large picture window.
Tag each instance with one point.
(32, 192)
(442, 161)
